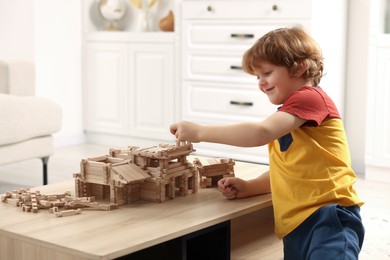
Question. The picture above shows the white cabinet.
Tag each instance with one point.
(381, 112)
(105, 99)
(129, 87)
(378, 116)
(128, 78)
(151, 90)
(377, 145)
(215, 35)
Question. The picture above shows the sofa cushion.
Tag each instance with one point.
(23, 118)
(17, 78)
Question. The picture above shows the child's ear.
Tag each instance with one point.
(299, 69)
(302, 67)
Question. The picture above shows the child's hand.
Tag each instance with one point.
(186, 131)
(232, 188)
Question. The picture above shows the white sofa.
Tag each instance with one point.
(27, 122)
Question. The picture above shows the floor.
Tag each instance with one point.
(66, 161)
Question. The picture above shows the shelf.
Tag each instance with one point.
(161, 37)
(253, 237)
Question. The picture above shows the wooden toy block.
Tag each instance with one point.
(12, 201)
(53, 210)
(26, 208)
(34, 202)
(69, 212)
(90, 203)
(206, 182)
(123, 153)
(212, 170)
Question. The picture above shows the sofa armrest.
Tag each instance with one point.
(17, 78)
(28, 117)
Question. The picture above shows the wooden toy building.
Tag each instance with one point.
(211, 171)
(155, 174)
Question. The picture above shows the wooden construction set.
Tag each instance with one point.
(59, 204)
(156, 174)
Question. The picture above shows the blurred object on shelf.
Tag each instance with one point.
(167, 23)
(145, 17)
(112, 11)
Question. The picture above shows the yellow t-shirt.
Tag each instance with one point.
(311, 166)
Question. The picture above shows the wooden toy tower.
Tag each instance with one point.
(158, 173)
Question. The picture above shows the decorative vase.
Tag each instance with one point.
(167, 23)
(144, 20)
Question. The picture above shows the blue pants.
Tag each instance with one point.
(332, 232)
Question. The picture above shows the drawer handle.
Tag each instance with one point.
(274, 7)
(234, 67)
(241, 103)
(209, 8)
(242, 35)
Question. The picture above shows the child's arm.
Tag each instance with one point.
(236, 188)
(248, 134)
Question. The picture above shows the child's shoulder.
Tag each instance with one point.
(308, 96)
(310, 103)
(310, 91)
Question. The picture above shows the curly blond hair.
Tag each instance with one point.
(289, 47)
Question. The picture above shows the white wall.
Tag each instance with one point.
(58, 62)
(16, 30)
(357, 80)
(48, 32)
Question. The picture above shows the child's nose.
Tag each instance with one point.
(262, 83)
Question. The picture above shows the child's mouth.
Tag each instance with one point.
(266, 91)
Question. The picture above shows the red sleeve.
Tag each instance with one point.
(311, 104)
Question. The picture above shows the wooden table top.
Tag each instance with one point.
(109, 234)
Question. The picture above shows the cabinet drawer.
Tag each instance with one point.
(239, 35)
(249, 154)
(223, 102)
(215, 67)
(246, 9)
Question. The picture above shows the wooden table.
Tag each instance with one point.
(124, 231)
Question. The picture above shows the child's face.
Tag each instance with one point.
(276, 82)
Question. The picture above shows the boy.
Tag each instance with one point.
(316, 209)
